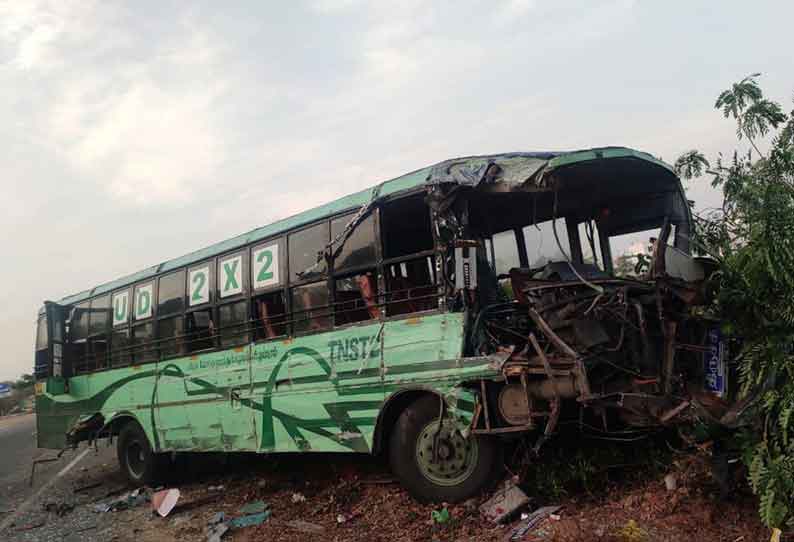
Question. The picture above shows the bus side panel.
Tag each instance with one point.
(423, 350)
(319, 392)
(126, 389)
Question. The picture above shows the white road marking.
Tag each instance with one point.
(24, 507)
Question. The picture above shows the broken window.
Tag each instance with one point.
(304, 246)
(405, 227)
(359, 249)
(310, 310)
(270, 311)
(409, 270)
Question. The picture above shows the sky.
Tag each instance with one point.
(134, 132)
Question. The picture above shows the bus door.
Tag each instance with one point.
(50, 371)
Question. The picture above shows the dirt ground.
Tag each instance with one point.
(353, 498)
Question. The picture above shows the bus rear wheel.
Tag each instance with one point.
(138, 463)
(434, 462)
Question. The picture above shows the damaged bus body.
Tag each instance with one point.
(429, 318)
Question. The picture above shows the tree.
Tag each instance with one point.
(752, 237)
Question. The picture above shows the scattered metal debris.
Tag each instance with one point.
(504, 503)
(298, 497)
(216, 527)
(131, 500)
(531, 521)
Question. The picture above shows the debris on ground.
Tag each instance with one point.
(440, 516)
(670, 482)
(87, 487)
(60, 509)
(164, 501)
(131, 500)
(298, 498)
(216, 488)
(250, 520)
(505, 502)
(304, 526)
(530, 521)
(255, 507)
(30, 526)
(216, 527)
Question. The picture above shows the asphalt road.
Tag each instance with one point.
(20, 502)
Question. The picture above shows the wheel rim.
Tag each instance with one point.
(136, 459)
(455, 459)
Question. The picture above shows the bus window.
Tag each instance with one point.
(505, 249)
(200, 330)
(542, 246)
(171, 299)
(356, 298)
(99, 322)
(78, 338)
(405, 227)
(120, 354)
(270, 312)
(359, 249)
(233, 323)
(171, 331)
(591, 244)
(304, 246)
(42, 365)
(142, 341)
(410, 286)
(310, 307)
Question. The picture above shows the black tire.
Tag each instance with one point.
(476, 472)
(138, 463)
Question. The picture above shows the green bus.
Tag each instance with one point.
(434, 318)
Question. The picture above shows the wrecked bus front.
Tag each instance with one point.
(425, 318)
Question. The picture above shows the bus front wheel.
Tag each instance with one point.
(138, 463)
(434, 462)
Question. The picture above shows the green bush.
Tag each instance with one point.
(752, 237)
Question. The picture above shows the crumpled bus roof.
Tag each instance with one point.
(527, 170)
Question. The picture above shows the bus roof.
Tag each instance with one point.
(548, 160)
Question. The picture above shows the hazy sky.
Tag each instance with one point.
(134, 132)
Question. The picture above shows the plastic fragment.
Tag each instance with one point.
(254, 507)
(249, 521)
(440, 516)
(164, 501)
